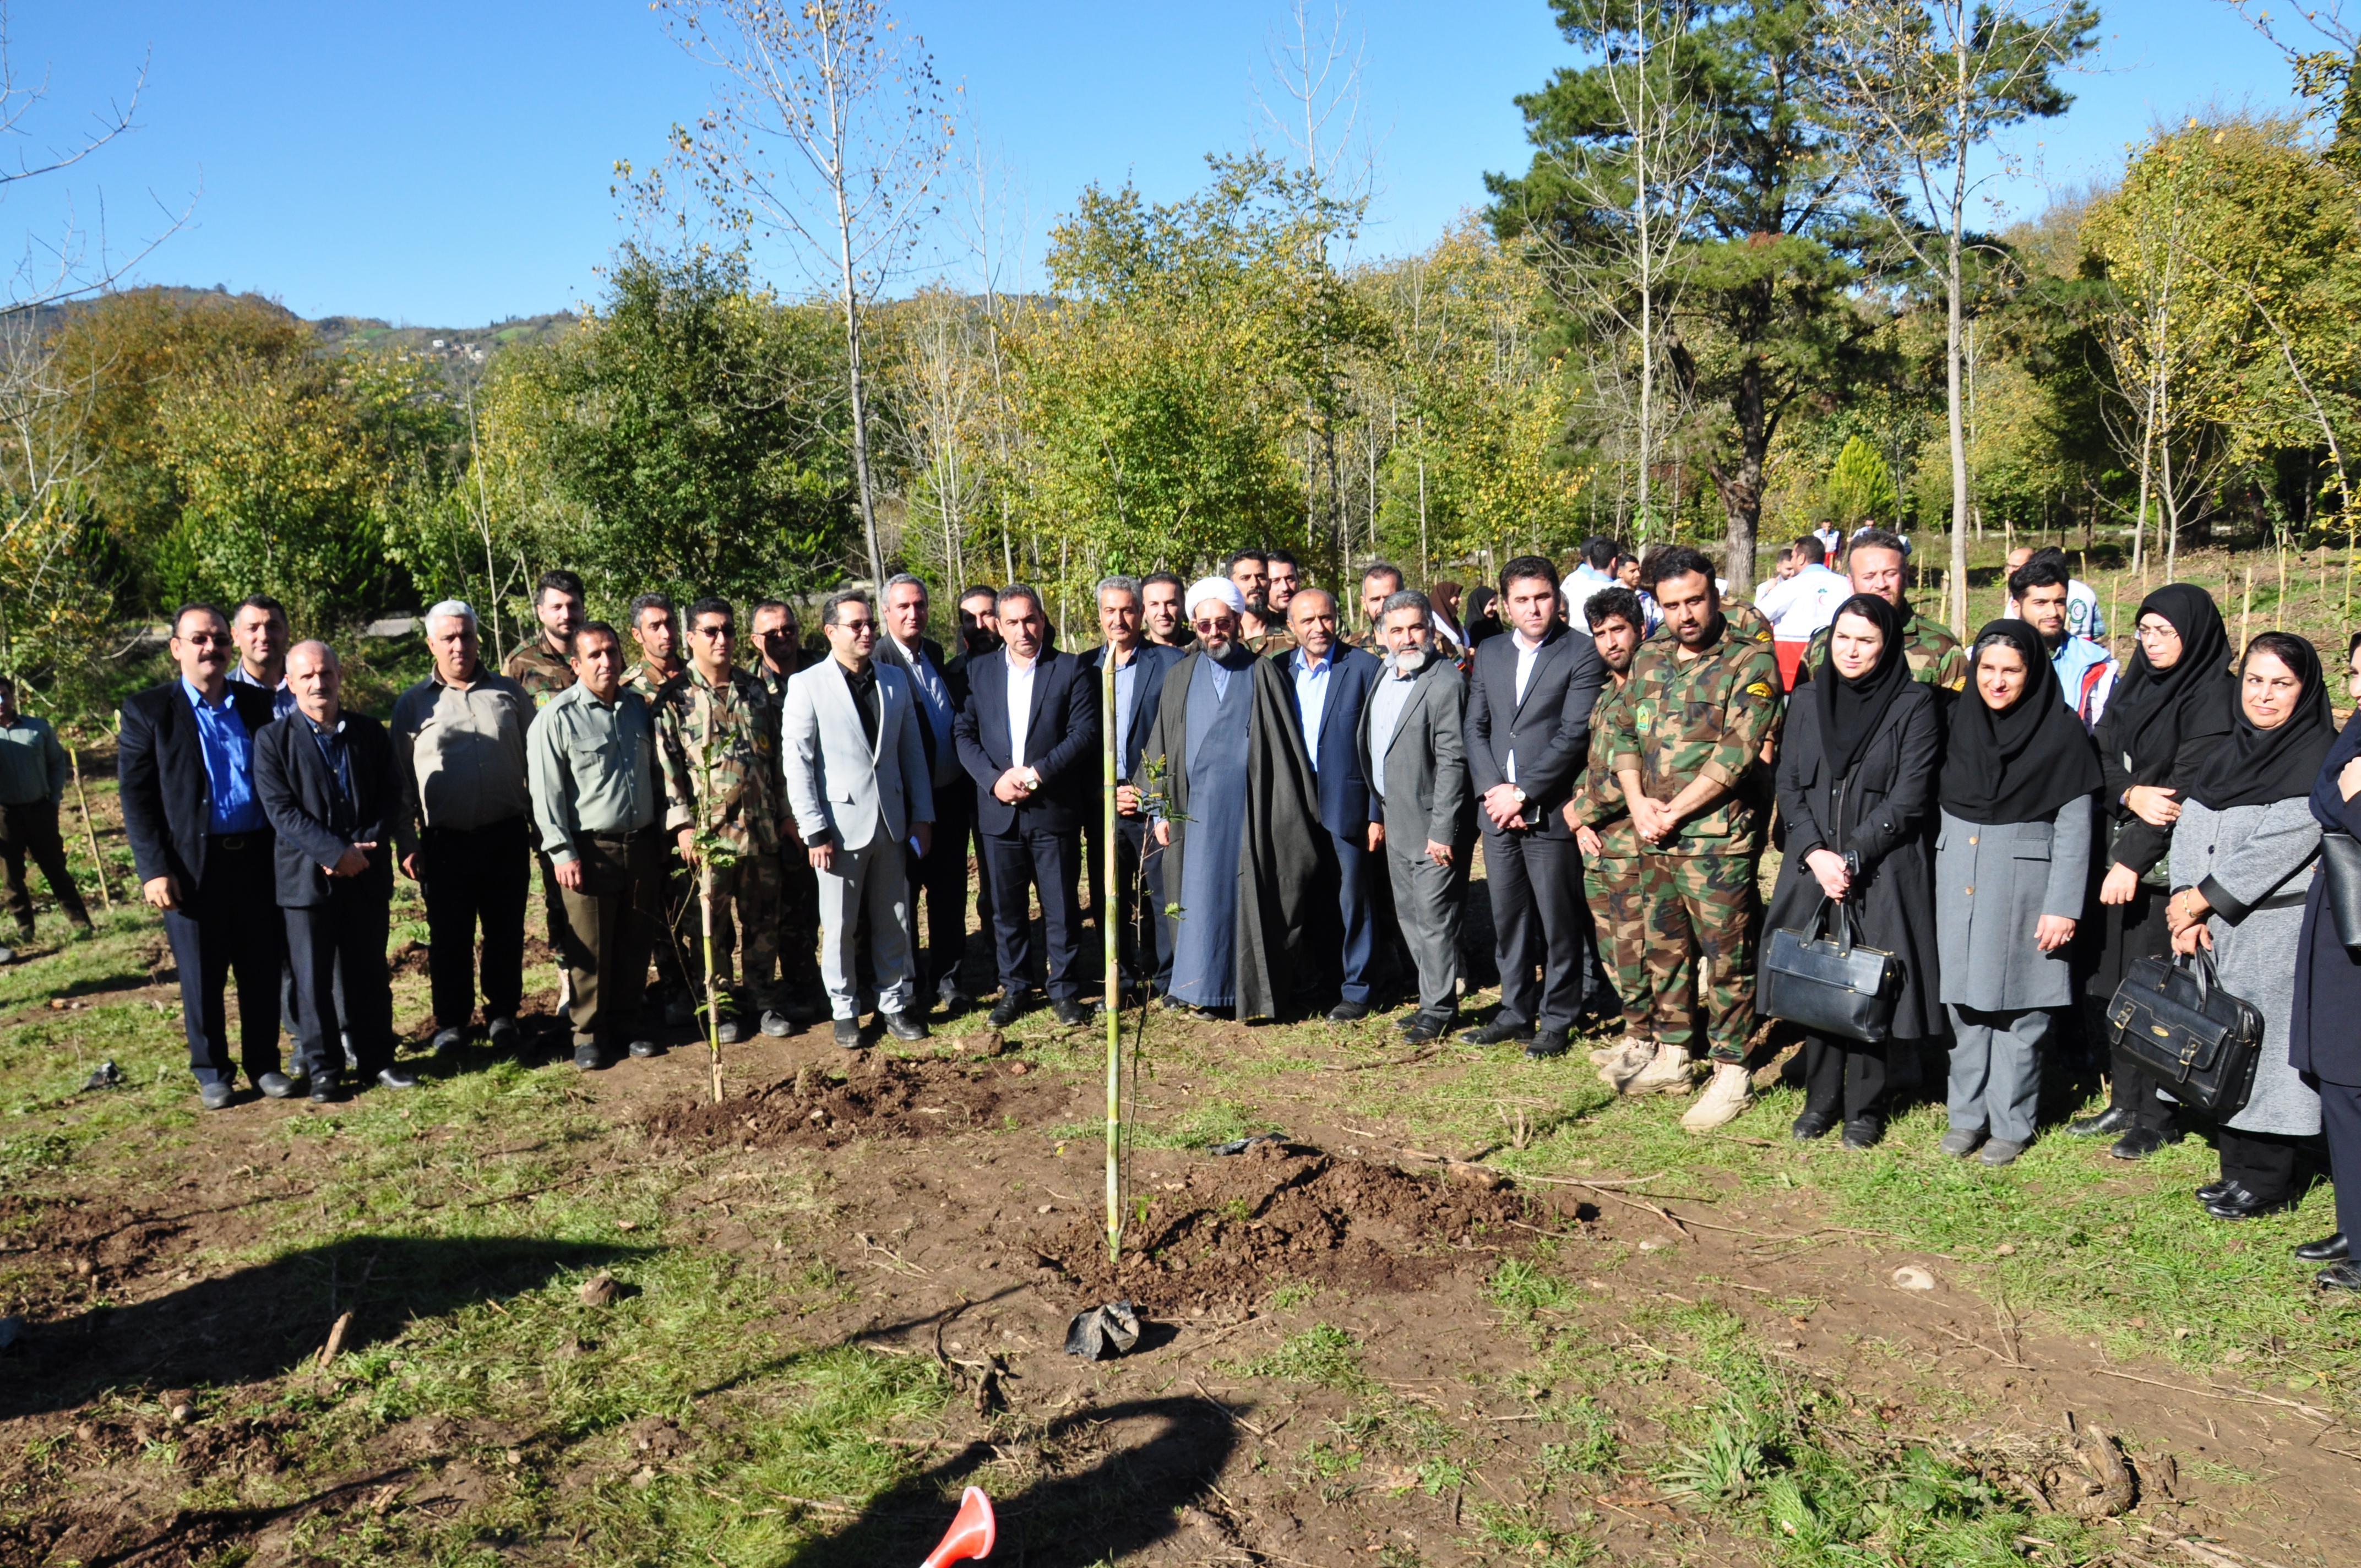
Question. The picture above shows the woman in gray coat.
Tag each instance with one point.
(2012, 853)
(2243, 857)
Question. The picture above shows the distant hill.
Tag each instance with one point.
(476, 343)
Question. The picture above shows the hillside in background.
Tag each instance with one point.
(478, 343)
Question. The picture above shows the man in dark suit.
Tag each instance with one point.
(202, 849)
(1140, 667)
(1332, 685)
(1413, 752)
(1027, 737)
(1527, 736)
(331, 788)
(940, 874)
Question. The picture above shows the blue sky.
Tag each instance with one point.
(441, 163)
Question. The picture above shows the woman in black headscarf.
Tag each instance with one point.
(2243, 857)
(1856, 778)
(2168, 713)
(2323, 1047)
(2012, 855)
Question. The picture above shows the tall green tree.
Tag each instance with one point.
(1763, 320)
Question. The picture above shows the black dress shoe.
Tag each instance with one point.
(1864, 1132)
(1421, 1027)
(957, 1001)
(1071, 1012)
(2327, 1249)
(215, 1096)
(589, 1058)
(1348, 1011)
(1545, 1044)
(2142, 1142)
(1499, 1032)
(2345, 1276)
(394, 1078)
(275, 1084)
(903, 1026)
(643, 1049)
(2241, 1205)
(2215, 1191)
(848, 1033)
(325, 1090)
(2114, 1120)
(1813, 1125)
(1008, 1010)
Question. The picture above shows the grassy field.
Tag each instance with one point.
(840, 1298)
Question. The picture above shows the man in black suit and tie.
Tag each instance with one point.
(203, 848)
(940, 874)
(330, 786)
(1332, 681)
(1027, 736)
(1528, 732)
(1140, 667)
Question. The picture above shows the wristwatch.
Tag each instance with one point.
(1519, 791)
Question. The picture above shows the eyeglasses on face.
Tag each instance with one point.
(2148, 633)
(857, 627)
(1218, 624)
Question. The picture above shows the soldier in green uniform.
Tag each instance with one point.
(1688, 735)
(779, 653)
(544, 666)
(1611, 876)
(657, 633)
(717, 744)
(1874, 561)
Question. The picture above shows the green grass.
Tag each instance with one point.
(1322, 1355)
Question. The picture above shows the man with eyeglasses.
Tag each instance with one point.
(204, 850)
(857, 783)
(1229, 790)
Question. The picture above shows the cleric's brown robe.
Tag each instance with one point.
(1279, 854)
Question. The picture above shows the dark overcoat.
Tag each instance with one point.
(1882, 814)
(2324, 1037)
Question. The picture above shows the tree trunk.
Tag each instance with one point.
(1741, 487)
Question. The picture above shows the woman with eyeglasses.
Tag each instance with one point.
(2168, 713)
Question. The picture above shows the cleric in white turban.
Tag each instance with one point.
(1239, 817)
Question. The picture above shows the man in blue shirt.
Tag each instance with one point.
(1331, 686)
(258, 627)
(203, 850)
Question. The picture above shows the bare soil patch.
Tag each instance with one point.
(879, 1097)
(1230, 1228)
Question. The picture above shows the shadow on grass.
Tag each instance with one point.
(1156, 1455)
(261, 1323)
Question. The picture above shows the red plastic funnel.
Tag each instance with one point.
(970, 1533)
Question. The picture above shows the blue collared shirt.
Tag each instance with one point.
(1311, 699)
(282, 696)
(1126, 686)
(230, 763)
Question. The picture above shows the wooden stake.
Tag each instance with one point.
(2279, 609)
(335, 1345)
(2246, 603)
(712, 992)
(1108, 907)
(90, 831)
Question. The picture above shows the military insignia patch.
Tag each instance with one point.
(1758, 689)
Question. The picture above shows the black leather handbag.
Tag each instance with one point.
(2340, 859)
(1828, 984)
(2199, 1043)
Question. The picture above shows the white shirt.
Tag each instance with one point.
(1799, 606)
(1020, 706)
(1526, 655)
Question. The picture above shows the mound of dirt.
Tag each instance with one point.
(1284, 1211)
(882, 1098)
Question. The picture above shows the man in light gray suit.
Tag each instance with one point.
(858, 784)
(1414, 756)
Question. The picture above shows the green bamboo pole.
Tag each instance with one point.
(1109, 917)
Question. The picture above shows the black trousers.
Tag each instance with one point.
(2340, 1120)
(2262, 1163)
(2129, 931)
(1846, 1074)
(1539, 922)
(472, 876)
(342, 940)
(1144, 941)
(229, 925)
(1047, 861)
(30, 831)
(939, 879)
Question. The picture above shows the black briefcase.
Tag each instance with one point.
(2340, 859)
(2199, 1043)
(1828, 984)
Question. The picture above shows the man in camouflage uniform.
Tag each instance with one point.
(657, 635)
(717, 746)
(1611, 846)
(1874, 561)
(544, 666)
(1689, 732)
(1263, 629)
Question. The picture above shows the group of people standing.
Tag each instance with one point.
(1304, 790)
